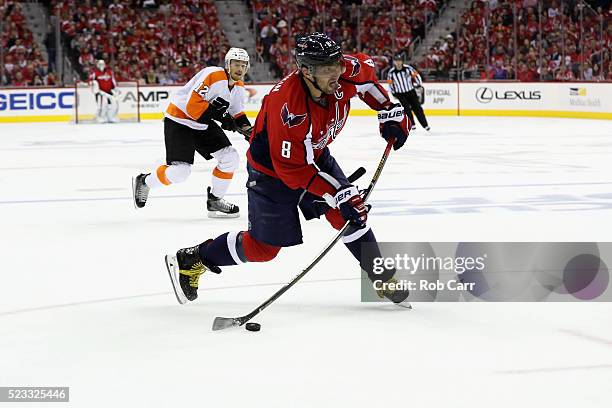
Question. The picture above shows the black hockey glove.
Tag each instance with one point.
(228, 123)
(393, 124)
(216, 110)
(351, 205)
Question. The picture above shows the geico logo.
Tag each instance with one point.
(150, 96)
(36, 100)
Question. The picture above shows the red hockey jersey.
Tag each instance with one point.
(105, 79)
(292, 129)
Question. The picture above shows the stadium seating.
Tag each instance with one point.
(572, 46)
(166, 42)
(24, 63)
(373, 27)
(163, 44)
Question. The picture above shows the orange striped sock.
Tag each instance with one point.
(161, 175)
(220, 182)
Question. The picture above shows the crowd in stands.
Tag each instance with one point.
(573, 45)
(167, 41)
(380, 28)
(23, 63)
(163, 42)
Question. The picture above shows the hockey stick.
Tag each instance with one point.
(221, 323)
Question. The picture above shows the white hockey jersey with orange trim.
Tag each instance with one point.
(190, 102)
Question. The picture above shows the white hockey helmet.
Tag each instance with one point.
(101, 65)
(239, 54)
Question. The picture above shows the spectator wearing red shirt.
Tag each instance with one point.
(19, 80)
(564, 74)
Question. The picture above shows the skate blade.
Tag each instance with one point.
(404, 305)
(172, 267)
(219, 214)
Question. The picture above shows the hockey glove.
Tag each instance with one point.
(228, 123)
(393, 124)
(217, 108)
(351, 205)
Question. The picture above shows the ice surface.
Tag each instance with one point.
(85, 299)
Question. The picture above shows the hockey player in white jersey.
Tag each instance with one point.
(213, 94)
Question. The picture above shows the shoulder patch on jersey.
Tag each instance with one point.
(355, 65)
(291, 119)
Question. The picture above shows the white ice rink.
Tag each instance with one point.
(85, 299)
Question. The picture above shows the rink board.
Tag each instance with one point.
(565, 100)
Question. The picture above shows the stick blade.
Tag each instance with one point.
(356, 174)
(222, 323)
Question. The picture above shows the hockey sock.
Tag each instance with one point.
(257, 251)
(165, 175)
(228, 160)
(220, 182)
(366, 258)
(223, 250)
(233, 248)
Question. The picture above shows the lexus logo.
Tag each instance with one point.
(484, 95)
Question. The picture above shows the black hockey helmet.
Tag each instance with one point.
(316, 49)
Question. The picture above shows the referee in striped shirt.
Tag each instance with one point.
(404, 79)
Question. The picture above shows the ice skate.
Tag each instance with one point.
(219, 208)
(399, 297)
(185, 269)
(140, 191)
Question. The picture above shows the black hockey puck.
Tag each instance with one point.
(253, 326)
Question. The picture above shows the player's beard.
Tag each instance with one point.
(329, 87)
(334, 85)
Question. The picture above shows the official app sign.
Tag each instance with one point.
(487, 271)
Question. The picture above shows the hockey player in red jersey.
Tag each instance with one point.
(105, 89)
(290, 166)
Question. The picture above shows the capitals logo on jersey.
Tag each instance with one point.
(333, 128)
(355, 65)
(291, 119)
